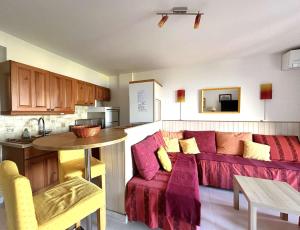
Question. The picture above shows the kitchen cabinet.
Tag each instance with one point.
(57, 94)
(28, 90)
(85, 93)
(80, 94)
(102, 93)
(69, 98)
(62, 90)
(90, 92)
(40, 167)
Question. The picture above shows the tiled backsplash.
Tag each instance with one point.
(13, 126)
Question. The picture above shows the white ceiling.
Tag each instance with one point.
(117, 36)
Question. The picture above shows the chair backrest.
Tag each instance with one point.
(17, 193)
(69, 155)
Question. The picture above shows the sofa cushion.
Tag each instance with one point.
(164, 159)
(145, 157)
(206, 140)
(253, 150)
(159, 139)
(232, 143)
(189, 146)
(172, 145)
(283, 148)
(167, 134)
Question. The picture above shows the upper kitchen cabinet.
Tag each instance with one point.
(24, 89)
(102, 93)
(62, 92)
(85, 94)
(90, 92)
(28, 90)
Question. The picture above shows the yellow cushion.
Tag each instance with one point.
(189, 146)
(76, 168)
(172, 145)
(164, 159)
(256, 151)
(67, 203)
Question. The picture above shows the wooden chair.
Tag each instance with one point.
(57, 208)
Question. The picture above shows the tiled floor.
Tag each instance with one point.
(217, 214)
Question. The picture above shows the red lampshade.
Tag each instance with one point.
(180, 95)
(266, 91)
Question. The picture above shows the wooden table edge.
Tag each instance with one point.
(90, 146)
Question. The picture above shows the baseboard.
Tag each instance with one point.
(120, 218)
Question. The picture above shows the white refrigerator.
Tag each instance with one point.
(145, 101)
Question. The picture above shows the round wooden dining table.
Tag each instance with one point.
(68, 141)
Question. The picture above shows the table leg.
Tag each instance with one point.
(236, 193)
(284, 216)
(252, 217)
(87, 157)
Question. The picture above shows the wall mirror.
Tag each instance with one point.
(221, 100)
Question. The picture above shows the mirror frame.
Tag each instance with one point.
(224, 88)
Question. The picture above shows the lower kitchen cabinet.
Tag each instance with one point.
(40, 167)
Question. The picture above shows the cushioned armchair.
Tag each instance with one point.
(57, 208)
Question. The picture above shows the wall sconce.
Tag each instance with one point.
(265, 94)
(180, 97)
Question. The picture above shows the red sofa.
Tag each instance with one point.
(145, 199)
(217, 170)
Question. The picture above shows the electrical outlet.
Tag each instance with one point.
(10, 129)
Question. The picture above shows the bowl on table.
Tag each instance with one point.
(85, 131)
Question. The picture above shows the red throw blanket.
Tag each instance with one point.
(182, 194)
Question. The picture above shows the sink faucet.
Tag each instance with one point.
(42, 131)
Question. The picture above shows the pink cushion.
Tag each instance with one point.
(283, 148)
(159, 139)
(145, 158)
(232, 143)
(206, 140)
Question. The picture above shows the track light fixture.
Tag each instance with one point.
(179, 11)
(163, 20)
(197, 21)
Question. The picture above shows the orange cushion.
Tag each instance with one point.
(171, 135)
(232, 143)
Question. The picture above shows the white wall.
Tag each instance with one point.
(123, 97)
(24, 52)
(248, 73)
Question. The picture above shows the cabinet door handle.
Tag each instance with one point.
(48, 109)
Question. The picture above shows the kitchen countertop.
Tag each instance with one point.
(21, 144)
(16, 145)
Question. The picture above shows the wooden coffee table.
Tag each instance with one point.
(262, 193)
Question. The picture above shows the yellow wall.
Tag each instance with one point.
(24, 52)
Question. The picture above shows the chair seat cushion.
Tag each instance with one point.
(75, 168)
(67, 203)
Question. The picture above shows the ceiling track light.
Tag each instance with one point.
(179, 11)
(197, 21)
(163, 20)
